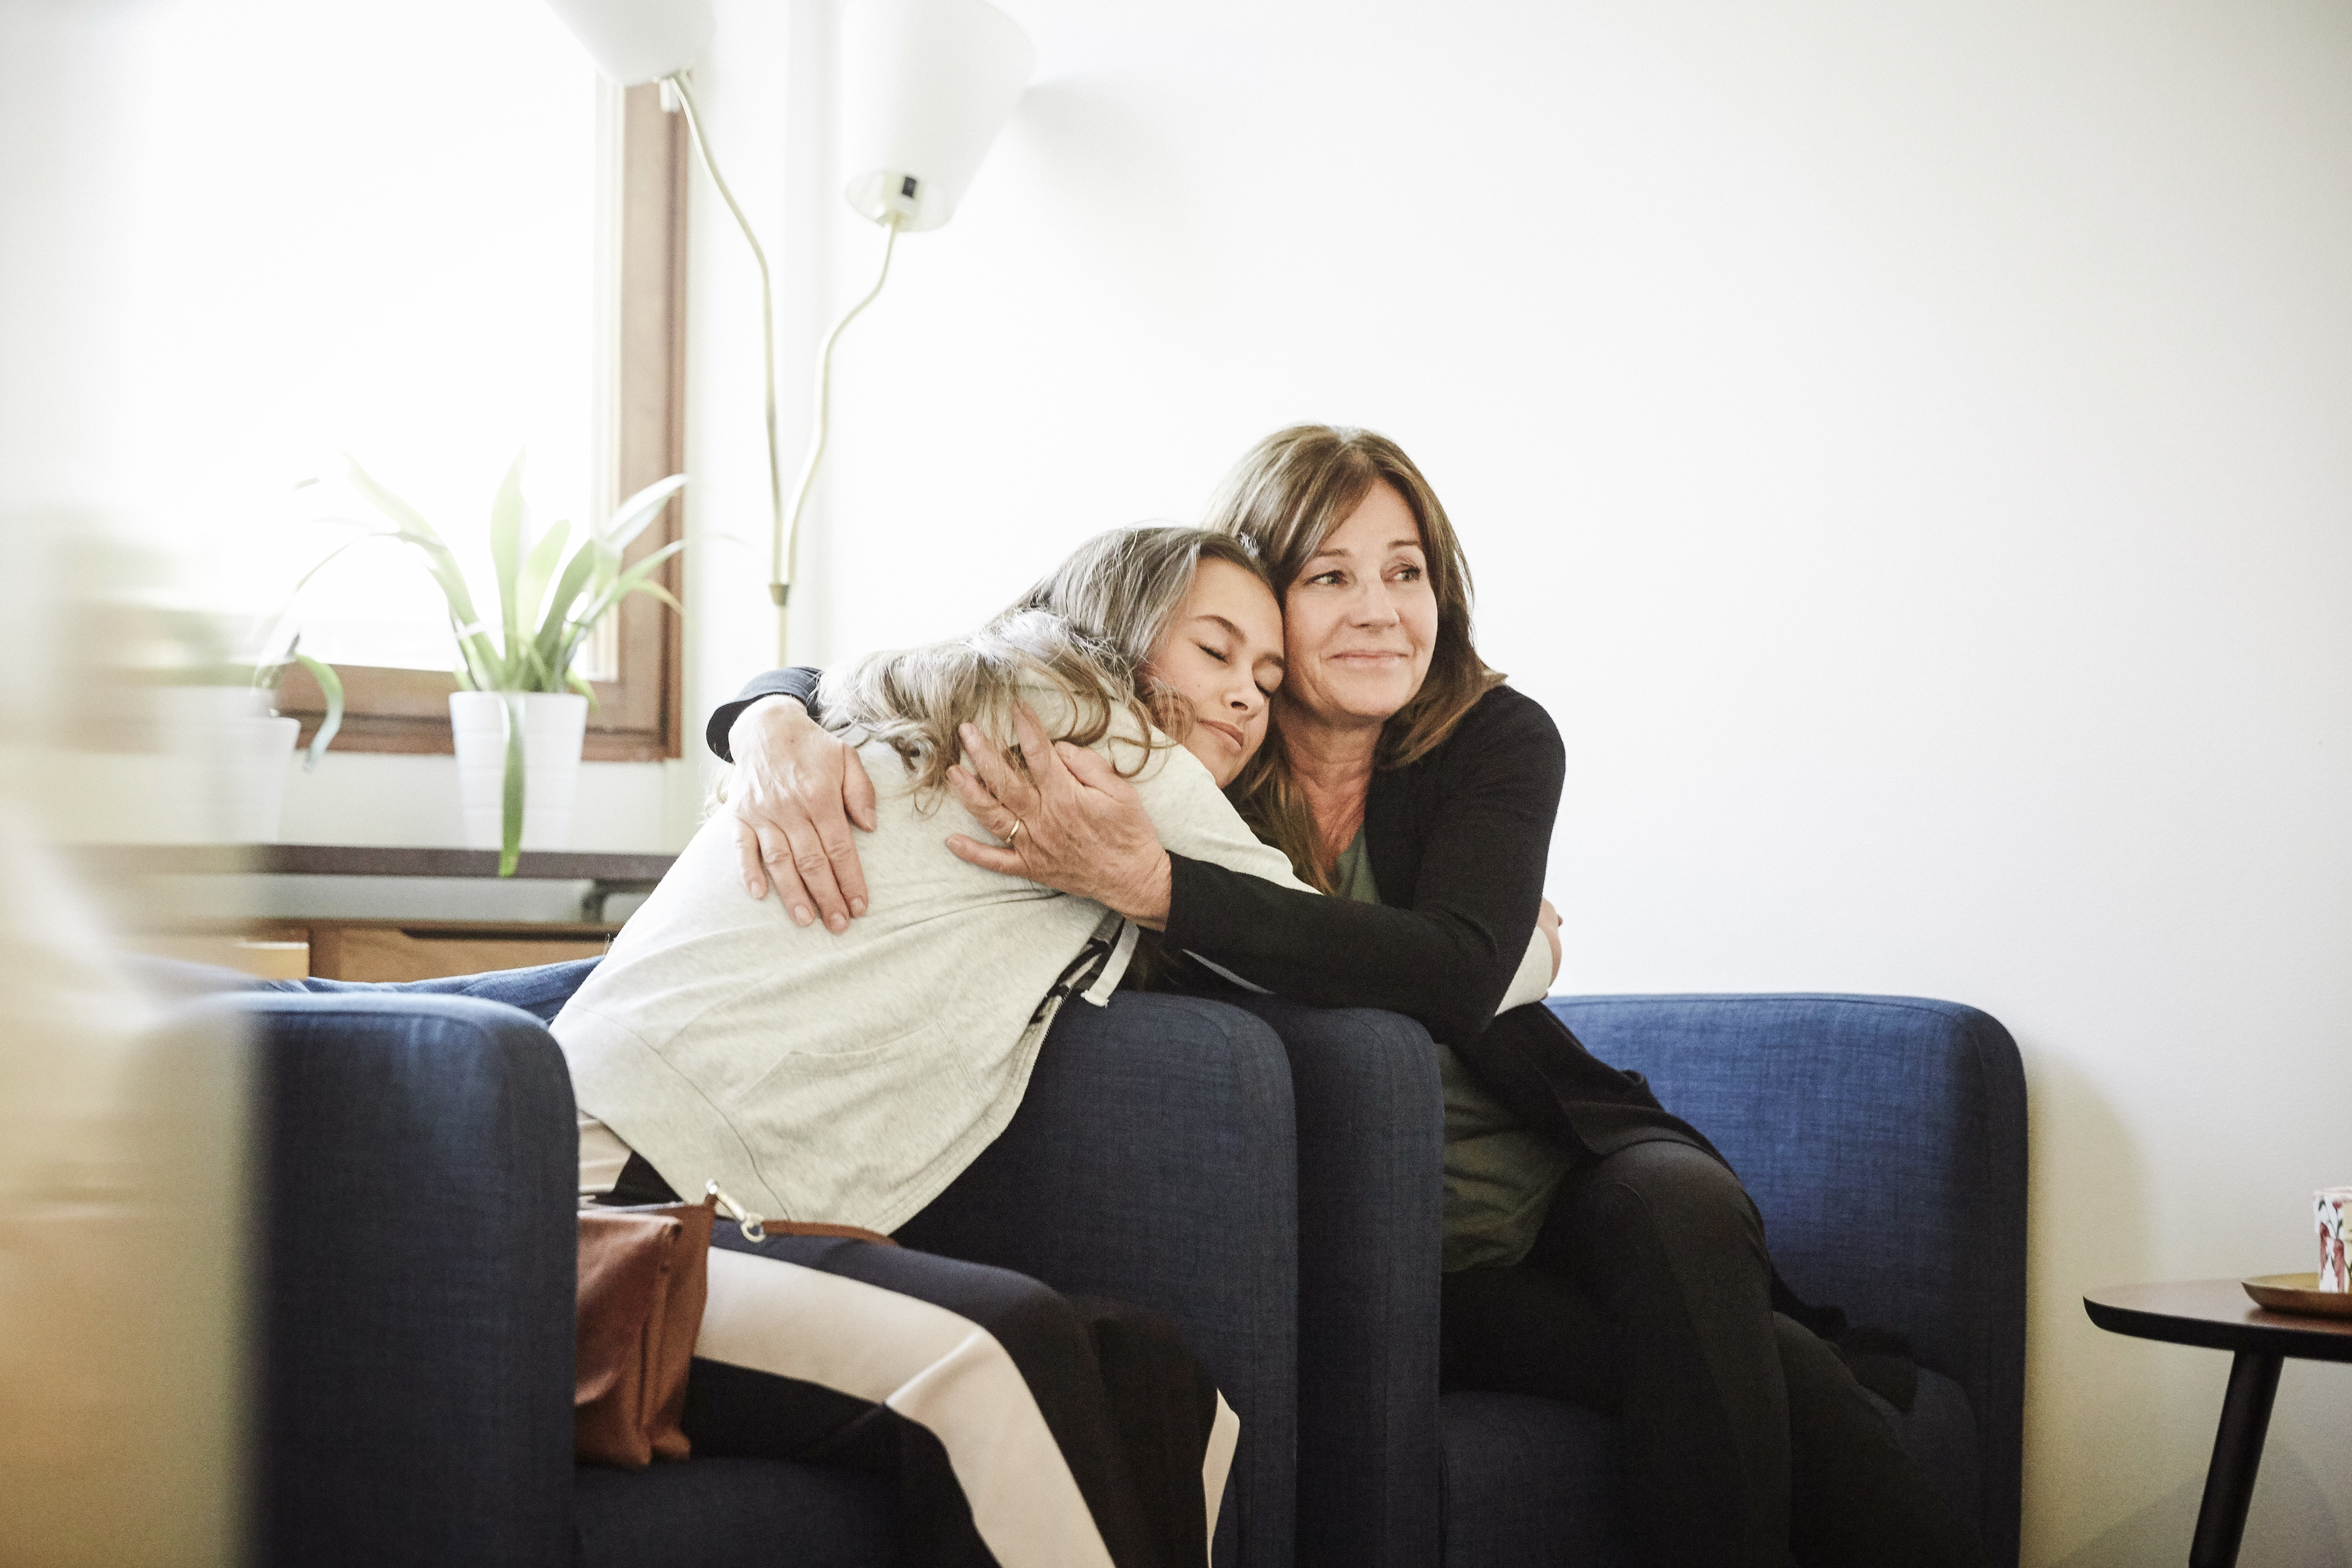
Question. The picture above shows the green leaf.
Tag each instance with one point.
(506, 656)
(480, 660)
(536, 571)
(636, 576)
(580, 633)
(483, 669)
(632, 581)
(602, 570)
(414, 529)
(332, 685)
(510, 825)
(507, 531)
(576, 573)
(320, 565)
(286, 609)
(540, 673)
(446, 574)
(664, 594)
(391, 505)
(636, 513)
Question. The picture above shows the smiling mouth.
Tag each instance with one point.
(1370, 656)
(1227, 731)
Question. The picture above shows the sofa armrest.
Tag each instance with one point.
(418, 1162)
(1151, 1160)
(1883, 1139)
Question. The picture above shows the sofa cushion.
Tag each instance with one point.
(736, 1514)
(1529, 1482)
(1532, 1482)
(1152, 1160)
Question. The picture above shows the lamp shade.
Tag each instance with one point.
(636, 41)
(925, 87)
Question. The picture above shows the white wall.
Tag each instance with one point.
(1904, 446)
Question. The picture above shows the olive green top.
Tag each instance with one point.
(1499, 1176)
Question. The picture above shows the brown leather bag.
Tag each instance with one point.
(645, 1274)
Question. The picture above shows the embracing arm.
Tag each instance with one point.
(1447, 951)
(792, 796)
(1462, 837)
(799, 683)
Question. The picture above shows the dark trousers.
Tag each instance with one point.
(1745, 1441)
(1109, 1390)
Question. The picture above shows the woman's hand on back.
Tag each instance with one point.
(794, 793)
(1548, 922)
(1082, 828)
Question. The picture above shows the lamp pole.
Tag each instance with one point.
(926, 86)
(788, 524)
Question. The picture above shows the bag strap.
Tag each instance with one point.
(756, 1227)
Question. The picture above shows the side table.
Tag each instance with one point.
(2218, 1315)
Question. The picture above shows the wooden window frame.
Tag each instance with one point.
(637, 717)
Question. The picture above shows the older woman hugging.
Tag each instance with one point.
(1596, 1249)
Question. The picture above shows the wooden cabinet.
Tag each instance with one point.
(372, 949)
(396, 950)
(380, 950)
(266, 954)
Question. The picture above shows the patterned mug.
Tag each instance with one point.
(2331, 1203)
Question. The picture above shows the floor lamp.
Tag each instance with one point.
(925, 86)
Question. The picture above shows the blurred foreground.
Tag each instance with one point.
(121, 1211)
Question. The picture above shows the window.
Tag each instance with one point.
(427, 235)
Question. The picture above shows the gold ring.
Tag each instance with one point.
(1017, 825)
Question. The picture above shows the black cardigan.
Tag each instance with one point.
(1459, 842)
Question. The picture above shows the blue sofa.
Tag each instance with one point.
(417, 1264)
(1270, 1182)
(1883, 1139)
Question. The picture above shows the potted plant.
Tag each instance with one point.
(255, 747)
(520, 711)
(220, 711)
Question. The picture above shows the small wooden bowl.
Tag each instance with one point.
(2299, 1294)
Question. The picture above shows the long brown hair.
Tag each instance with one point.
(1089, 628)
(1283, 499)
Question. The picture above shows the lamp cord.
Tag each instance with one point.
(779, 585)
(767, 298)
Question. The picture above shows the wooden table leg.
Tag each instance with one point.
(2237, 1454)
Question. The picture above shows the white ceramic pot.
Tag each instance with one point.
(553, 724)
(241, 754)
(260, 756)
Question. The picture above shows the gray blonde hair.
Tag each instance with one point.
(1087, 629)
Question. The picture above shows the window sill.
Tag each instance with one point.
(407, 710)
